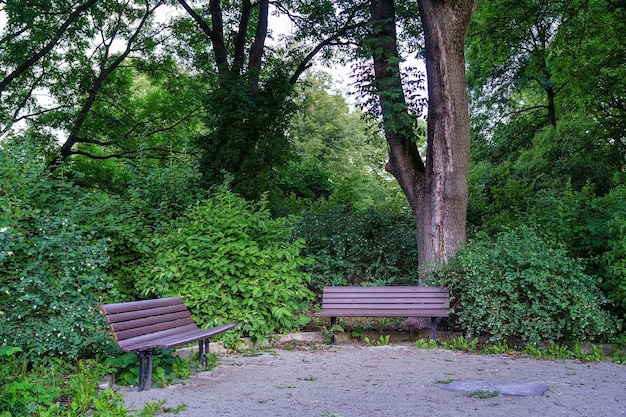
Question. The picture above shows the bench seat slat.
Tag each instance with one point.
(184, 339)
(169, 339)
(150, 341)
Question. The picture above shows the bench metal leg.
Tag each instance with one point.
(145, 370)
(433, 327)
(333, 339)
(203, 350)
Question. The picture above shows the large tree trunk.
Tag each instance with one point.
(437, 188)
(442, 200)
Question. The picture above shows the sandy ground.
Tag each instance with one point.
(351, 380)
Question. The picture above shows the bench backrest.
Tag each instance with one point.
(396, 301)
(136, 323)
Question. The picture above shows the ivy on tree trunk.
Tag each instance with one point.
(436, 186)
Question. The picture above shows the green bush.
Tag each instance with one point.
(516, 285)
(230, 260)
(51, 265)
(614, 261)
(373, 246)
(52, 284)
(54, 388)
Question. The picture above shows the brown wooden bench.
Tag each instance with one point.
(416, 301)
(142, 326)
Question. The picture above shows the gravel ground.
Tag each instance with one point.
(351, 380)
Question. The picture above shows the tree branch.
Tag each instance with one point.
(47, 48)
(305, 63)
(66, 149)
(216, 34)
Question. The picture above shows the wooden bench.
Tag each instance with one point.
(416, 301)
(142, 326)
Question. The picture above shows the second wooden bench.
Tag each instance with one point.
(396, 301)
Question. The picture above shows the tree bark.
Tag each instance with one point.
(437, 187)
(442, 200)
(405, 162)
(257, 47)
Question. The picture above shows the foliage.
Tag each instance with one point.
(166, 367)
(382, 341)
(59, 388)
(549, 351)
(374, 246)
(51, 263)
(247, 133)
(339, 155)
(47, 389)
(154, 195)
(585, 224)
(483, 394)
(516, 285)
(614, 259)
(231, 262)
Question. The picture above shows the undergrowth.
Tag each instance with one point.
(551, 351)
(54, 387)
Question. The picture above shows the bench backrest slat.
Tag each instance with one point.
(141, 305)
(118, 326)
(146, 339)
(382, 300)
(422, 290)
(113, 318)
(385, 301)
(147, 319)
(153, 328)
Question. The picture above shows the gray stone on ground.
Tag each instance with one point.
(504, 388)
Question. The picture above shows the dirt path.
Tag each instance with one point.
(357, 381)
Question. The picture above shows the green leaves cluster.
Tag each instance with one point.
(613, 260)
(230, 261)
(373, 246)
(52, 266)
(517, 285)
(43, 390)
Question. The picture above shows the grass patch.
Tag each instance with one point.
(483, 394)
(444, 381)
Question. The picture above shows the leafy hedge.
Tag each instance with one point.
(230, 260)
(51, 265)
(374, 246)
(516, 285)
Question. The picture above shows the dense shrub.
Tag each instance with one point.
(350, 247)
(230, 260)
(614, 259)
(51, 265)
(52, 284)
(516, 285)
